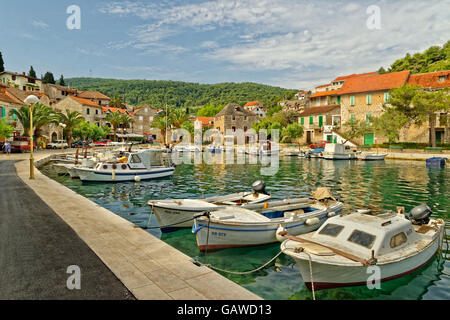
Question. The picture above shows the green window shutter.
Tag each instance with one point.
(352, 100)
(311, 120)
(3, 114)
(352, 117)
(302, 120)
(368, 117)
(386, 96)
(320, 121)
(369, 99)
(339, 100)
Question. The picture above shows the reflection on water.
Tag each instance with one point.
(378, 185)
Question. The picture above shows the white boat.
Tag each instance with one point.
(266, 148)
(187, 148)
(338, 151)
(341, 251)
(212, 148)
(179, 213)
(368, 156)
(135, 166)
(258, 224)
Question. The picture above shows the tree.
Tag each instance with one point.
(115, 119)
(389, 124)
(48, 78)
(291, 132)
(353, 129)
(2, 64)
(125, 120)
(189, 126)
(160, 123)
(116, 101)
(401, 100)
(42, 115)
(61, 81)
(5, 129)
(71, 119)
(428, 103)
(178, 116)
(32, 73)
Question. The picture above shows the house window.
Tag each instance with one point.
(369, 99)
(141, 118)
(233, 117)
(245, 128)
(302, 120)
(150, 118)
(96, 111)
(2, 112)
(442, 78)
(233, 128)
(368, 117)
(352, 100)
(352, 118)
(311, 120)
(87, 110)
(386, 97)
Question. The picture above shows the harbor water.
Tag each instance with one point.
(377, 185)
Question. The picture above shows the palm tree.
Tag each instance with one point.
(179, 116)
(71, 120)
(115, 118)
(116, 101)
(125, 121)
(42, 115)
(160, 123)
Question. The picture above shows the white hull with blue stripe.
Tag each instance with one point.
(240, 227)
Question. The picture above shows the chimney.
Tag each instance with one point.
(23, 73)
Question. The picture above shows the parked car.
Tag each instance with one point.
(58, 144)
(21, 144)
(320, 144)
(102, 143)
(80, 143)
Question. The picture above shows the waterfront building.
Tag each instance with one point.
(233, 117)
(57, 93)
(94, 96)
(256, 107)
(143, 117)
(320, 122)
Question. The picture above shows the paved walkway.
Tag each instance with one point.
(36, 248)
(147, 266)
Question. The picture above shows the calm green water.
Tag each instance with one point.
(384, 184)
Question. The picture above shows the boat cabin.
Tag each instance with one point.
(361, 233)
(337, 148)
(141, 160)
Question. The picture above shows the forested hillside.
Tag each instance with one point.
(435, 58)
(186, 94)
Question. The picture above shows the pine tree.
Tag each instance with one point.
(61, 81)
(2, 67)
(48, 78)
(32, 73)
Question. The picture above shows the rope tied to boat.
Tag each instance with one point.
(203, 214)
(198, 263)
(302, 249)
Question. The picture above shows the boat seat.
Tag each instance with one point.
(315, 249)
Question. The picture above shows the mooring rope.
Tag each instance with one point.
(302, 249)
(237, 272)
(176, 223)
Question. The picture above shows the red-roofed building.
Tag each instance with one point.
(91, 111)
(205, 121)
(318, 122)
(95, 96)
(256, 107)
(431, 80)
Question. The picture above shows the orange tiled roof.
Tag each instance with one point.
(92, 95)
(325, 93)
(85, 102)
(206, 121)
(378, 82)
(355, 75)
(430, 79)
(252, 103)
(323, 85)
(112, 109)
(7, 98)
(318, 110)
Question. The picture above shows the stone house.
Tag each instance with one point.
(233, 117)
(92, 112)
(319, 123)
(94, 96)
(142, 122)
(20, 81)
(257, 108)
(57, 93)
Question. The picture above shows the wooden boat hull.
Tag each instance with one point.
(92, 175)
(216, 235)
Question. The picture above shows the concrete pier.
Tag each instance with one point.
(148, 267)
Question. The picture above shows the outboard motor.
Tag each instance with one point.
(259, 187)
(420, 215)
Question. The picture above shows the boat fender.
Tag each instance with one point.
(282, 230)
(113, 175)
(312, 221)
(331, 214)
(137, 178)
(196, 228)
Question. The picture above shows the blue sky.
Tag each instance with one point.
(288, 43)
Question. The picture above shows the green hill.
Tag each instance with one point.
(435, 58)
(157, 93)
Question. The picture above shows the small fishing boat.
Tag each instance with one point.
(179, 213)
(213, 148)
(371, 156)
(258, 224)
(187, 148)
(338, 151)
(340, 252)
(134, 166)
(266, 148)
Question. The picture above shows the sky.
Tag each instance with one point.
(293, 44)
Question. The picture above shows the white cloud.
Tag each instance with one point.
(309, 40)
(40, 24)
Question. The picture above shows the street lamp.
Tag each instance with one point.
(31, 100)
(62, 125)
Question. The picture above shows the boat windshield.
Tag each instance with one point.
(331, 230)
(135, 159)
(362, 238)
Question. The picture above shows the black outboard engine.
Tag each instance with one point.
(420, 215)
(259, 187)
